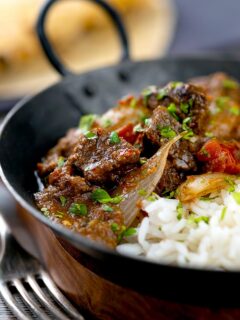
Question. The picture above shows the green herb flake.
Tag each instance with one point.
(230, 84)
(87, 121)
(172, 109)
(107, 208)
(201, 218)
(142, 192)
(153, 197)
(79, 209)
(222, 102)
(61, 161)
(114, 138)
(188, 135)
(223, 213)
(184, 107)
(133, 103)
(235, 110)
(231, 184)
(63, 200)
(167, 132)
(106, 123)
(209, 134)
(236, 196)
(90, 135)
(180, 211)
(143, 160)
(185, 123)
(45, 212)
(176, 84)
(147, 122)
(129, 232)
(138, 128)
(59, 214)
(102, 196)
(146, 93)
(115, 227)
(162, 93)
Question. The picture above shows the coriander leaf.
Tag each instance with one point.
(167, 132)
(235, 110)
(162, 93)
(172, 110)
(60, 162)
(230, 84)
(63, 200)
(78, 209)
(129, 232)
(142, 192)
(90, 135)
(102, 196)
(86, 122)
(114, 138)
(114, 227)
(185, 123)
(107, 208)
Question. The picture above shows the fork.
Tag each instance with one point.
(19, 270)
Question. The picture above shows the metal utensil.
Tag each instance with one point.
(19, 271)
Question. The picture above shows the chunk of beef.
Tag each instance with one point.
(224, 110)
(187, 100)
(100, 159)
(181, 160)
(63, 148)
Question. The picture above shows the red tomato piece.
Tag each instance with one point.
(221, 156)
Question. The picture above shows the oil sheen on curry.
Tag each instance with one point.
(145, 146)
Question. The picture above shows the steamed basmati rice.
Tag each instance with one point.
(203, 233)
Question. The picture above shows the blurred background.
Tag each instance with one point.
(85, 39)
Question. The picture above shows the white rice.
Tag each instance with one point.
(208, 238)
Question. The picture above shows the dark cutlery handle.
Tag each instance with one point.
(51, 54)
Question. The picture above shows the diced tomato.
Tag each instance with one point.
(128, 134)
(221, 156)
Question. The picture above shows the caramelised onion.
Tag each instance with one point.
(201, 185)
(141, 182)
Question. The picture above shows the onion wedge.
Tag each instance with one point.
(201, 185)
(140, 183)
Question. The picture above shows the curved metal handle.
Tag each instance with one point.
(50, 53)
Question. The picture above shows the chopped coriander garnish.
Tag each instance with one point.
(147, 92)
(184, 107)
(147, 122)
(78, 209)
(107, 208)
(172, 110)
(235, 110)
(180, 211)
(201, 218)
(86, 122)
(222, 102)
(138, 128)
(230, 84)
(45, 212)
(162, 93)
(223, 213)
(209, 134)
(142, 192)
(60, 162)
(185, 123)
(102, 196)
(59, 214)
(188, 135)
(204, 152)
(153, 197)
(63, 200)
(176, 84)
(167, 132)
(114, 138)
(129, 232)
(231, 184)
(106, 123)
(114, 227)
(236, 196)
(143, 160)
(90, 135)
(133, 103)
